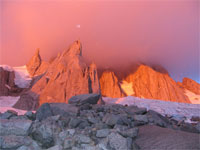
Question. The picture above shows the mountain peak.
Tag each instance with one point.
(34, 63)
(75, 48)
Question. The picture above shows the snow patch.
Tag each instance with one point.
(22, 77)
(8, 101)
(127, 87)
(194, 98)
(162, 107)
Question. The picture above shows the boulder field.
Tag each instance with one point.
(85, 125)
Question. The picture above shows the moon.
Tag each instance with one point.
(78, 26)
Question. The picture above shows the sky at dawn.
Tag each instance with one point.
(113, 32)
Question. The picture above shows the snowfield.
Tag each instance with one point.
(163, 107)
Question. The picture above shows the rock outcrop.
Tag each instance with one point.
(191, 85)
(36, 66)
(110, 86)
(151, 84)
(67, 75)
(7, 83)
(34, 63)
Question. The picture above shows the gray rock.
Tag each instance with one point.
(129, 143)
(46, 133)
(88, 147)
(13, 142)
(68, 143)
(44, 112)
(141, 118)
(74, 122)
(101, 125)
(66, 134)
(111, 119)
(188, 128)
(8, 114)
(117, 142)
(56, 147)
(32, 146)
(93, 120)
(22, 117)
(84, 124)
(83, 139)
(30, 115)
(135, 146)
(64, 109)
(15, 127)
(84, 99)
(102, 133)
(157, 119)
(132, 110)
(198, 126)
(178, 117)
(132, 133)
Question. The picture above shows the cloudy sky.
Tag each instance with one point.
(112, 32)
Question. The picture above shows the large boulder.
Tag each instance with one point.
(15, 127)
(154, 137)
(44, 112)
(84, 99)
(67, 75)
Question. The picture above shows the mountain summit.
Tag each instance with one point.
(66, 76)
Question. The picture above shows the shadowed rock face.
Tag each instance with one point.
(148, 83)
(110, 86)
(6, 81)
(67, 76)
(191, 85)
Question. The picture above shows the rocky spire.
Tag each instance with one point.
(34, 63)
(75, 49)
(67, 76)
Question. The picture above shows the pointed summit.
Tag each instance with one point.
(34, 63)
(75, 48)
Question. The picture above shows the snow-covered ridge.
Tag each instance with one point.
(22, 77)
(162, 107)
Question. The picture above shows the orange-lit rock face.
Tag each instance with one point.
(151, 84)
(36, 66)
(191, 85)
(67, 76)
(127, 88)
(110, 86)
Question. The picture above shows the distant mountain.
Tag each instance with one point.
(146, 82)
(68, 74)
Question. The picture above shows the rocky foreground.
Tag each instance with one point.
(85, 125)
